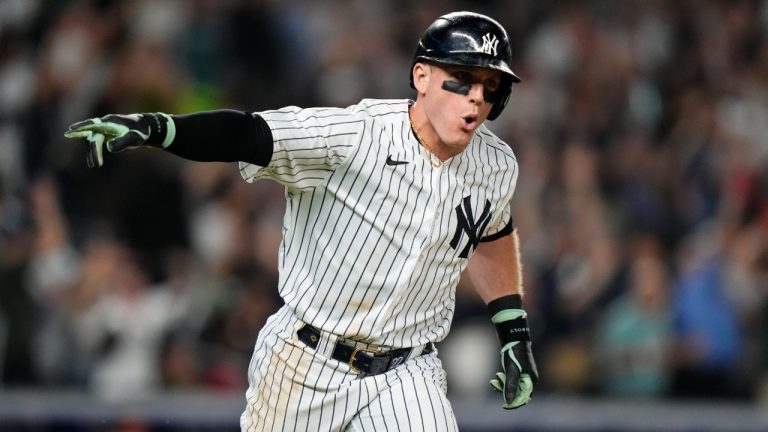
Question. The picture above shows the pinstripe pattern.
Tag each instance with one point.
(294, 388)
(366, 255)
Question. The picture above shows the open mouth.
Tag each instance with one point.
(470, 121)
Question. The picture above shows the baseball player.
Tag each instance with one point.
(388, 201)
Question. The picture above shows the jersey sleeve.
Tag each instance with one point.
(308, 144)
(499, 230)
(503, 224)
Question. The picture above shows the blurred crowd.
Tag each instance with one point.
(641, 128)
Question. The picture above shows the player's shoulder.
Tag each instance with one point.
(381, 109)
(373, 109)
(493, 144)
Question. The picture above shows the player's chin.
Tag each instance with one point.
(464, 135)
(460, 141)
(458, 136)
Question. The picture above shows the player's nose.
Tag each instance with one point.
(476, 92)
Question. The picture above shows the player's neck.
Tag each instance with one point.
(427, 135)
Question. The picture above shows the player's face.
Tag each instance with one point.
(457, 101)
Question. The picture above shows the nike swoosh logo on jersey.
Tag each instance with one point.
(392, 162)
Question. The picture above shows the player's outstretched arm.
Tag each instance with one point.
(495, 272)
(221, 135)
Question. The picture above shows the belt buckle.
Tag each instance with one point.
(353, 357)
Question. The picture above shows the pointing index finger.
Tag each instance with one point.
(84, 123)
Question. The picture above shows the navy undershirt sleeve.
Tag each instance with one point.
(222, 136)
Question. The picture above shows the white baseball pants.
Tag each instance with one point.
(293, 387)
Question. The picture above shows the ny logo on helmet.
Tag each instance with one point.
(490, 42)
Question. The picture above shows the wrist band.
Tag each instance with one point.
(512, 301)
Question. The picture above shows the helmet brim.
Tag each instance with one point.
(471, 59)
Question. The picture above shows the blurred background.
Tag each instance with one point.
(131, 295)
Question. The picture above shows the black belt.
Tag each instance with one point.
(364, 361)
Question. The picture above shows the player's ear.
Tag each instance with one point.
(420, 77)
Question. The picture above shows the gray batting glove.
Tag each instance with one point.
(519, 372)
(122, 132)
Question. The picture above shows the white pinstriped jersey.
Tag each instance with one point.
(373, 251)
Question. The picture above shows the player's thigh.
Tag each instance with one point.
(413, 398)
(276, 373)
(291, 387)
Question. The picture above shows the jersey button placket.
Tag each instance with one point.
(440, 188)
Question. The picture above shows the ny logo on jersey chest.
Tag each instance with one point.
(470, 226)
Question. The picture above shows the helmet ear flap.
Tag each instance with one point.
(498, 106)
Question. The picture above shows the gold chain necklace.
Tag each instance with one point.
(431, 157)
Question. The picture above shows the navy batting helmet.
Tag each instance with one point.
(469, 39)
